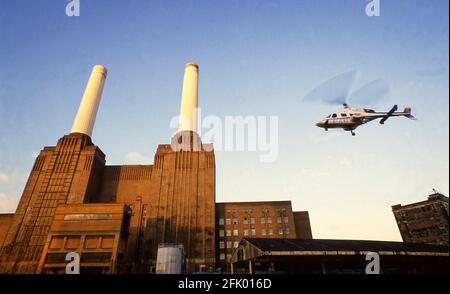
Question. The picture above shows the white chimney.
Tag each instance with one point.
(85, 118)
(189, 99)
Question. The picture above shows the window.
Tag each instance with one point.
(235, 221)
(286, 219)
(245, 232)
(252, 220)
(222, 256)
(236, 244)
(235, 233)
(280, 231)
(228, 221)
(253, 232)
(73, 242)
(56, 242)
(269, 220)
(228, 233)
(221, 244)
(228, 244)
(221, 222)
(334, 115)
(279, 219)
(287, 231)
(343, 115)
(245, 221)
(270, 232)
(263, 220)
(221, 233)
(263, 232)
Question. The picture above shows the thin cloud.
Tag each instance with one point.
(4, 177)
(317, 174)
(431, 72)
(137, 158)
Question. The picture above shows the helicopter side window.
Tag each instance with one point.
(343, 115)
(328, 116)
(334, 115)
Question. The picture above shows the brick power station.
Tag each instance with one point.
(114, 216)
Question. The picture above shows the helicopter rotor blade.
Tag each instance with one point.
(334, 90)
(374, 92)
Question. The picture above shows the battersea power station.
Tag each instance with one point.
(116, 217)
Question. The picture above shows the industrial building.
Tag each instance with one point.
(115, 216)
(425, 221)
(316, 256)
(263, 219)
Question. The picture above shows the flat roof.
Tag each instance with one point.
(265, 244)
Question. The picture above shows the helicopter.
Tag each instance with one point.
(336, 91)
(349, 118)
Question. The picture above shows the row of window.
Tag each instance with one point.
(252, 232)
(222, 256)
(250, 210)
(246, 221)
(230, 244)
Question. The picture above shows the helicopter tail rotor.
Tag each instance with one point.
(407, 112)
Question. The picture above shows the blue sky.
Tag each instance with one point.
(256, 57)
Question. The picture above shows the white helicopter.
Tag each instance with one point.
(336, 91)
(349, 118)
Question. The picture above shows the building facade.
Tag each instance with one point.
(302, 225)
(5, 222)
(425, 221)
(262, 219)
(96, 232)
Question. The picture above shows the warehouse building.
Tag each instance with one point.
(298, 256)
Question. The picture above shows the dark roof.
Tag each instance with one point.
(341, 245)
